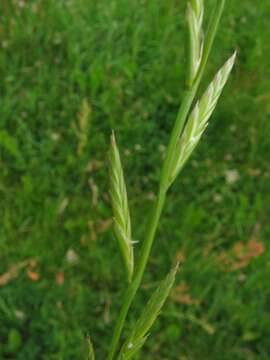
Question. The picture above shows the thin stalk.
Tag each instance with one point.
(188, 98)
(133, 287)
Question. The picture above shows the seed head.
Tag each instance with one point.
(198, 119)
(119, 199)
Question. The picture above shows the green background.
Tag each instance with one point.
(127, 59)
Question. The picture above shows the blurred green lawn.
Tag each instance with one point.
(126, 58)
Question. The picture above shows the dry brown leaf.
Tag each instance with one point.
(241, 254)
(106, 313)
(255, 248)
(95, 191)
(60, 278)
(180, 256)
(181, 288)
(93, 165)
(33, 275)
(181, 295)
(239, 264)
(13, 272)
(82, 127)
(104, 225)
(223, 259)
(150, 196)
(254, 172)
(208, 327)
(239, 250)
(203, 322)
(32, 263)
(63, 205)
(185, 299)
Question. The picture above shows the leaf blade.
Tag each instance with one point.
(150, 313)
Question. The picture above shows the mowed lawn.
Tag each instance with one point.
(72, 70)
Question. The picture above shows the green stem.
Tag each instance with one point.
(188, 98)
(133, 287)
(147, 245)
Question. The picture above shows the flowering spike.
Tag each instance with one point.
(198, 119)
(195, 12)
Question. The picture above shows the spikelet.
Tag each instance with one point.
(195, 11)
(151, 311)
(119, 199)
(198, 119)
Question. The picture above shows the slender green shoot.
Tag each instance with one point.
(185, 136)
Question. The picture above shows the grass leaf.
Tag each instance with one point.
(140, 330)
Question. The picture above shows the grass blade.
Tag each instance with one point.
(148, 317)
(119, 199)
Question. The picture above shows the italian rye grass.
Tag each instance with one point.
(189, 127)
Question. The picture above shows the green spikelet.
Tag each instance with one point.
(119, 200)
(195, 12)
(198, 119)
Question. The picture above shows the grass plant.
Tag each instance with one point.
(185, 136)
(70, 72)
